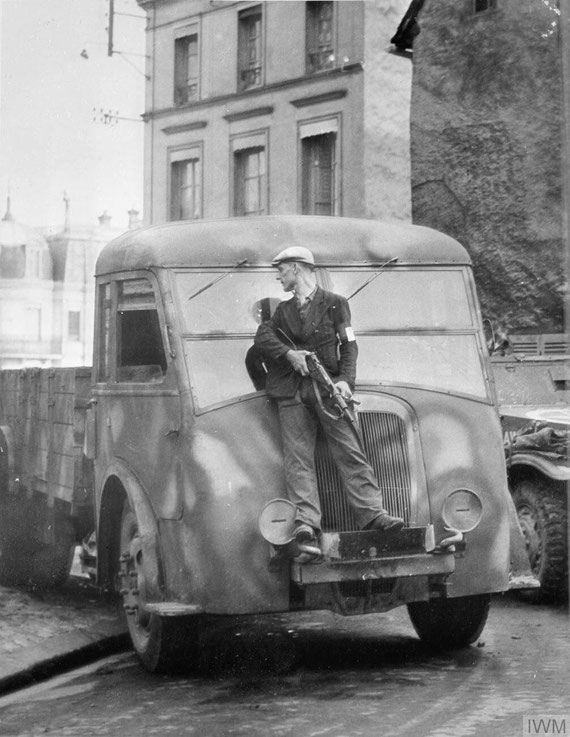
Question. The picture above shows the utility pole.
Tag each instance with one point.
(110, 28)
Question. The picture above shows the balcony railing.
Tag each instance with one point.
(186, 93)
(250, 77)
(322, 59)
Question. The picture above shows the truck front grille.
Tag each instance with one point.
(387, 451)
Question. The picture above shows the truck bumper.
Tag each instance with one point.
(415, 564)
(361, 556)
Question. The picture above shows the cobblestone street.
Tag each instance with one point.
(39, 628)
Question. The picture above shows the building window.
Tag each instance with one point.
(318, 174)
(481, 6)
(34, 264)
(186, 188)
(250, 48)
(320, 36)
(32, 323)
(250, 190)
(73, 325)
(186, 69)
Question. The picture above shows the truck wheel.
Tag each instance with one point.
(542, 516)
(51, 564)
(15, 554)
(446, 624)
(15, 534)
(162, 643)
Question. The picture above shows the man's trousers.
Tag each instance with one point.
(300, 418)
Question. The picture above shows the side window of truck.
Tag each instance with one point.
(131, 341)
(140, 349)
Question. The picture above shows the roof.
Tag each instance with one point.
(16, 241)
(225, 243)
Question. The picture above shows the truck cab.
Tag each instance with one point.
(188, 466)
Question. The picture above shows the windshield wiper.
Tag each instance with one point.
(219, 278)
(374, 276)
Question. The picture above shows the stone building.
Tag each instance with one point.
(487, 140)
(275, 107)
(47, 292)
(26, 297)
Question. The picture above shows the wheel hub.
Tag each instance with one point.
(131, 578)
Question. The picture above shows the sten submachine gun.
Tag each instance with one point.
(344, 408)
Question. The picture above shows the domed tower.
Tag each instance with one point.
(26, 297)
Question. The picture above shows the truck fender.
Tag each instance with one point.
(7, 459)
(554, 471)
(118, 476)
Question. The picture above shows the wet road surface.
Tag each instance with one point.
(319, 674)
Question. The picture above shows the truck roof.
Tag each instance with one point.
(225, 243)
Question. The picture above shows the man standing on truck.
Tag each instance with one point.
(316, 321)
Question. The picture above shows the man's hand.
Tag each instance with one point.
(344, 389)
(298, 360)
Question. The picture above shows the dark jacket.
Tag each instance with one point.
(324, 332)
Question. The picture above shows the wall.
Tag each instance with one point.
(486, 150)
(374, 135)
(387, 93)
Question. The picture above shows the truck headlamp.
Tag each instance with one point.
(462, 510)
(277, 521)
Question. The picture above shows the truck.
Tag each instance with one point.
(534, 400)
(166, 455)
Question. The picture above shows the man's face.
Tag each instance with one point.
(286, 275)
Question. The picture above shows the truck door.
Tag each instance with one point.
(136, 394)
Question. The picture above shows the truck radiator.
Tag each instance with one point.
(387, 451)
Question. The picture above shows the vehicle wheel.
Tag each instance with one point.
(542, 515)
(15, 550)
(51, 564)
(162, 643)
(450, 623)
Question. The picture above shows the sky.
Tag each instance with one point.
(51, 141)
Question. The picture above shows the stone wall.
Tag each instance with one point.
(486, 144)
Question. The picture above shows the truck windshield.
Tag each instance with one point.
(414, 326)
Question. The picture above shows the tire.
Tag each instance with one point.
(542, 514)
(162, 644)
(447, 624)
(23, 560)
(15, 557)
(51, 564)
(15, 549)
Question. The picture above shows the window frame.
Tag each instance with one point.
(74, 335)
(107, 336)
(245, 19)
(182, 41)
(34, 263)
(313, 128)
(177, 156)
(239, 145)
(312, 37)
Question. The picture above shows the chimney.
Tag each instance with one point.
(134, 220)
(104, 220)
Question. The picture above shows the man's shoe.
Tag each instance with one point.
(385, 522)
(305, 534)
(307, 544)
